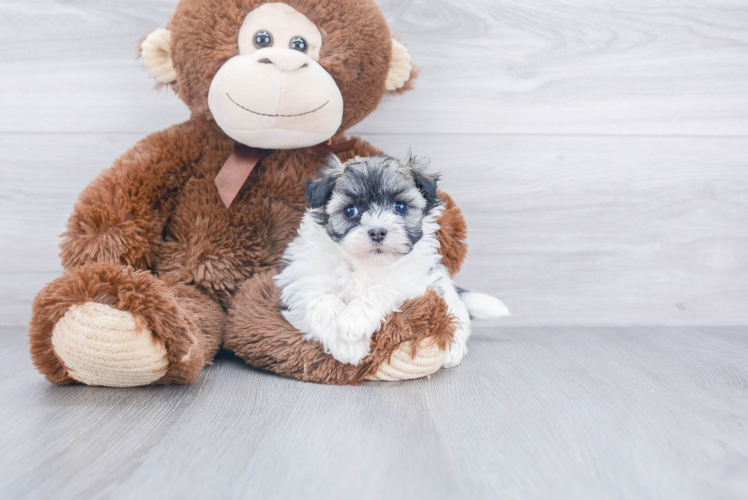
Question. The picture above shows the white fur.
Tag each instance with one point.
(482, 306)
(337, 299)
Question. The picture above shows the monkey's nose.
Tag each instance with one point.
(284, 59)
(377, 234)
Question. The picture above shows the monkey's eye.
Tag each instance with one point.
(298, 43)
(263, 39)
(401, 208)
(350, 212)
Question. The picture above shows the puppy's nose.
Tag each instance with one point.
(377, 234)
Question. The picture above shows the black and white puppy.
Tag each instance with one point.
(367, 243)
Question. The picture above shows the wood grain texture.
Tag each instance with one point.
(567, 230)
(584, 413)
(508, 66)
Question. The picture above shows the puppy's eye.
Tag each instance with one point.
(401, 208)
(263, 39)
(350, 211)
(298, 43)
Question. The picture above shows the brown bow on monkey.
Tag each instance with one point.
(244, 159)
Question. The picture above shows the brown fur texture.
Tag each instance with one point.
(452, 234)
(151, 236)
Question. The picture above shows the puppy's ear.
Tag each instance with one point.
(426, 183)
(319, 190)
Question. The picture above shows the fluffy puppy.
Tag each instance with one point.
(367, 243)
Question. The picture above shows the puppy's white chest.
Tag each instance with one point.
(351, 282)
(393, 285)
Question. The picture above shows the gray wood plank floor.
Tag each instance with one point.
(532, 413)
(599, 150)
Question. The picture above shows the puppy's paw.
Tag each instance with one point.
(351, 353)
(352, 327)
(455, 354)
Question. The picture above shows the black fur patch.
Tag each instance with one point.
(368, 186)
(319, 191)
(427, 184)
(414, 235)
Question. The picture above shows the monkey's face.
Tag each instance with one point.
(279, 75)
(274, 94)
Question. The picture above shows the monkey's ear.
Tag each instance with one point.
(156, 52)
(401, 70)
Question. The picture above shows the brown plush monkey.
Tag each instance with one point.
(160, 272)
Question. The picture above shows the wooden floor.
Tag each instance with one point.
(577, 413)
(599, 151)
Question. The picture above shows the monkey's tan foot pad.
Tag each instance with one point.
(402, 366)
(100, 345)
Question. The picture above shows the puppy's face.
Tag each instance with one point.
(373, 207)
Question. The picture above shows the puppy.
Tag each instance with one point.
(367, 243)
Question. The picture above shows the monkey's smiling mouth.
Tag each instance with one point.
(276, 116)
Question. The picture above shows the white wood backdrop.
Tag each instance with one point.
(599, 149)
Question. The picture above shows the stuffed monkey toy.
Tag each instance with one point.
(169, 254)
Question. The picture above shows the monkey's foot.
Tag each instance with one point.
(100, 345)
(402, 366)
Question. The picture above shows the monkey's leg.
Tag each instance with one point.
(412, 343)
(109, 325)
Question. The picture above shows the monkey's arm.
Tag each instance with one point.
(452, 235)
(119, 217)
(453, 228)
